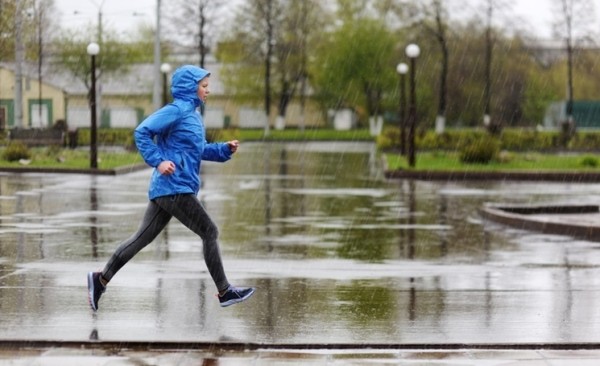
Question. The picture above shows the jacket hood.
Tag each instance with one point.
(184, 84)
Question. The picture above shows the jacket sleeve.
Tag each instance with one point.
(155, 125)
(216, 151)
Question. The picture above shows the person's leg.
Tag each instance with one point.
(154, 221)
(188, 209)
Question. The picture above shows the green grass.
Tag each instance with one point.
(56, 158)
(449, 161)
(441, 161)
(291, 134)
(74, 159)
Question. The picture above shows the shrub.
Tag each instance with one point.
(106, 136)
(15, 151)
(589, 161)
(518, 139)
(53, 150)
(389, 138)
(480, 151)
(586, 141)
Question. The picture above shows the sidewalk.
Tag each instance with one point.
(123, 355)
(349, 270)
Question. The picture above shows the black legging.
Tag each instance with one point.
(187, 209)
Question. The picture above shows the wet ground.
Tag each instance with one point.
(340, 257)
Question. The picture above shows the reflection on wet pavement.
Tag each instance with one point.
(339, 255)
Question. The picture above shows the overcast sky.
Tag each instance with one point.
(125, 15)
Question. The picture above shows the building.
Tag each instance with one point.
(43, 102)
(586, 114)
(124, 100)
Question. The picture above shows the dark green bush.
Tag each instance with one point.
(586, 140)
(16, 151)
(589, 161)
(106, 136)
(481, 151)
(389, 138)
(518, 140)
(511, 139)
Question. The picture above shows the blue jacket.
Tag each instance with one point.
(176, 133)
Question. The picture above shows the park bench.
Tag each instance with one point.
(32, 137)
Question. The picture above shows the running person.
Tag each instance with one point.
(172, 140)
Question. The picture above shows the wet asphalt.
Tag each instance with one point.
(350, 268)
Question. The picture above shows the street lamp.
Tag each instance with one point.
(412, 51)
(165, 69)
(93, 49)
(402, 69)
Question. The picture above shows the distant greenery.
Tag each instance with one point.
(535, 162)
(16, 151)
(107, 136)
(511, 139)
(291, 135)
(480, 151)
(124, 136)
(451, 139)
(476, 150)
(55, 157)
(514, 149)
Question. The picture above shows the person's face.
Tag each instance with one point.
(203, 89)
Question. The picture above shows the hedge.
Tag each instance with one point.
(513, 139)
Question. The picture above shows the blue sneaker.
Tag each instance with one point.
(233, 295)
(95, 289)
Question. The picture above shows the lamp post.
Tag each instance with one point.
(165, 69)
(402, 69)
(412, 51)
(93, 49)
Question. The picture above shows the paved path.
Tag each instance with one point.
(97, 356)
(444, 289)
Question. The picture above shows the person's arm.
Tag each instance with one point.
(144, 134)
(220, 151)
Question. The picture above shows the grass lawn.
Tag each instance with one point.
(292, 134)
(440, 161)
(73, 159)
(449, 161)
(57, 158)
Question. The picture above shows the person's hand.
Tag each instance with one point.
(233, 145)
(167, 167)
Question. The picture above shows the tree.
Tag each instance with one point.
(256, 25)
(37, 18)
(268, 50)
(267, 12)
(396, 13)
(292, 52)
(41, 12)
(356, 66)
(489, 45)
(493, 125)
(201, 17)
(574, 18)
(436, 11)
(512, 67)
(114, 57)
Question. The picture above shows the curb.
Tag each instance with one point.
(523, 217)
(249, 346)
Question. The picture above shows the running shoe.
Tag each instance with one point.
(95, 289)
(233, 295)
